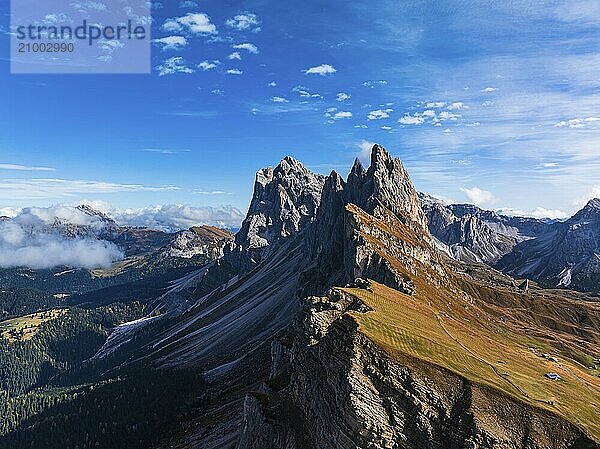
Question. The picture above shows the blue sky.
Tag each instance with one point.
(496, 103)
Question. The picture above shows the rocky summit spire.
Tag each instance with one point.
(386, 184)
(285, 199)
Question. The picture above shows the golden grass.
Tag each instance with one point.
(493, 354)
(26, 326)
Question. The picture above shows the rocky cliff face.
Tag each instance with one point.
(567, 256)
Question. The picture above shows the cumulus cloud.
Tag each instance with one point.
(342, 114)
(379, 114)
(193, 23)
(279, 100)
(577, 122)
(173, 65)
(489, 89)
(209, 65)
(235, 55)
(250, 48)
(372, 84)
(178, 216)
(323, 69)
(435, 104)
(272, 84)
(334, 114)
(455, 106)
(342, 96)
(411, 120)
(244, 21)
(478, 196)
(234, 72)
(33, 239)
(171, 42)
(304, 92)
(24, 167)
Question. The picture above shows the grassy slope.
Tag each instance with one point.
(494, 337)
(27, 325)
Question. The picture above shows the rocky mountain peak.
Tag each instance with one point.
(593, 204)
(285, 199)
(89, 210)
(387, 184)
(591, 211)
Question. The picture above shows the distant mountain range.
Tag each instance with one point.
(554, 253)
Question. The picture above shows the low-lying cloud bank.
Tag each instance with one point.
(28, 241)
(173, 217)
(48, 237)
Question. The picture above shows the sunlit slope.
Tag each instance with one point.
(490, 335)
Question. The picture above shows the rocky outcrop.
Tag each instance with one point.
(567, 256)
(200, 240)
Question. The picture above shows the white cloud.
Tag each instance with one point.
(173, 65)
(386, 128)
(235, 55)
(272, 84)
(9, 211)
(342, 114)
(188, 4)
(411, 120)
(446, 115)
(250, 48)
(323, 69)
(33, 238)
(435, 104)
(163, 150)
(365, 150)
(279, 100)
(234, 72)
(489, 89)
(305, 93)
(478, 196)
(194, 23)
(208, 65)
(379, 114)
(372, 84)
(455, 106)
(538, 212)
(549, 165)
(211, 192)
(342, 96)
(24, 167)
(171, 42)
(593, 192)
(244, 21)
(178, 216)
(577, 122)
(30, 189)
